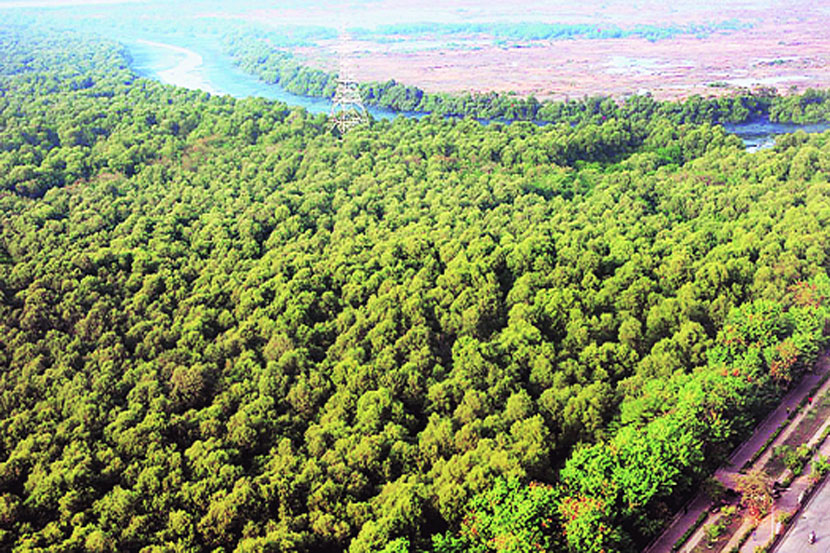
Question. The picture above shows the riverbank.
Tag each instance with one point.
(188, 71)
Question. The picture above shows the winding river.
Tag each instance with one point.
(203, 68)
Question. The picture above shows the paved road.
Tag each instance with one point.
(815, 516)
(789, 501)
(769, 425)
(701, 502)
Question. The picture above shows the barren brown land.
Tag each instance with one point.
(786, 46)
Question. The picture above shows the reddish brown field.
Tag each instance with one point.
(788, 46)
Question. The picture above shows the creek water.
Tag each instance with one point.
(198, 66)
(760, 134)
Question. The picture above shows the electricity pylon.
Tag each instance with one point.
(347, 109)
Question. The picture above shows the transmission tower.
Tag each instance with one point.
(347, 110)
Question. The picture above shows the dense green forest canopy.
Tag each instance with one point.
(223, 328)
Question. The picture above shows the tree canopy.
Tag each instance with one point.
(223, 328)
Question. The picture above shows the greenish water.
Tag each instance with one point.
(162, 58)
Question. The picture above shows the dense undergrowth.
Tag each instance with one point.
(224, 328)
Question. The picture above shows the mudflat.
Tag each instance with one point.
(770, 46)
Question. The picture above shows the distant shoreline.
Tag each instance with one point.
(187, 73)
